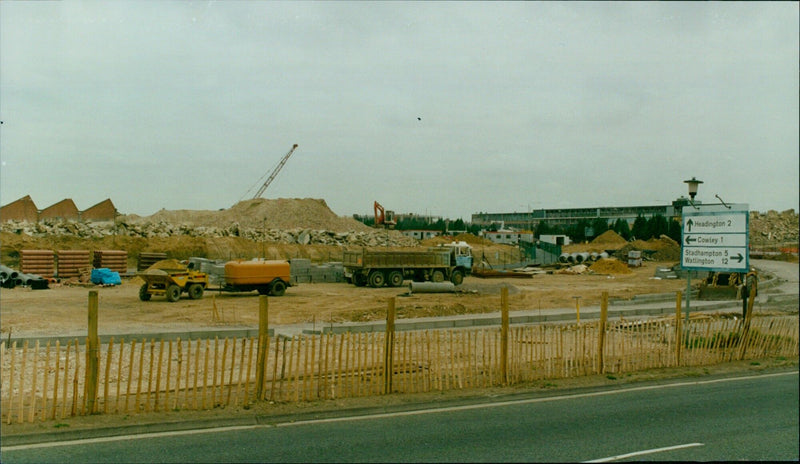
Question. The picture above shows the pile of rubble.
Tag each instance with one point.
(50, 228)
(298, 221)
(774, 228)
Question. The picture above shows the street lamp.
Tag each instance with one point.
(693, 183)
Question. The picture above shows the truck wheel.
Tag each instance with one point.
(359, 280)
(195, 291)
(144, 295)
(278, 288)
(376, 279)
(437, 276)
(457, 278)
(395, 279)
(173, 293)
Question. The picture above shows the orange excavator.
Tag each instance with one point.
(382, 219)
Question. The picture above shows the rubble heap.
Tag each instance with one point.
(289, 221)
(774, 228)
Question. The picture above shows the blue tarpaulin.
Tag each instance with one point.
(105, 276)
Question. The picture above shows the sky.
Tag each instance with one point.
(440, 108)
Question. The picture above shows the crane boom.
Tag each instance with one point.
(275, 172)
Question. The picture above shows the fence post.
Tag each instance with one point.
(93, 355)
(601, 335)
(678, 344)
(263, 345)
(388, 348)
(504, 335)
(746, 322)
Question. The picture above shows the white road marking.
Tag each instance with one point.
(650, 451)
(379, 416)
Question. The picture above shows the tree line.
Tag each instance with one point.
(642, 228)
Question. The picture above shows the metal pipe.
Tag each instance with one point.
(431, 287)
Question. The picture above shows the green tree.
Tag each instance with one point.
(639, 229)
(674, 230)
(600, 226)
(657, 226)
(622, 228)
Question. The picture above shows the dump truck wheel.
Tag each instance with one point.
(457, 278)
(144, 295)
(395, 279)
(437, 276)
(195, 291)
(173, 293)
(359, 280)
(377, 279)
(278, 288)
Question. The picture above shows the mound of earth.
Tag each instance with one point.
(281, 213)
(610, 266)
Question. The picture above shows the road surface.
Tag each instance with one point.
(719, 419)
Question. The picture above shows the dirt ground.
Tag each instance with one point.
(62, 309)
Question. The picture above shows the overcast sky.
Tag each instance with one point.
(443, 108)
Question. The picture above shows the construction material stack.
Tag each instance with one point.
(37, 262)
(115, 260)
(71, 263)
(148, 259)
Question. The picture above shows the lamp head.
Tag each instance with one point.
(693, 183)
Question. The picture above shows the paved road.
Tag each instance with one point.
(722, 419)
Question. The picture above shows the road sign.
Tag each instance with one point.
(715, 238)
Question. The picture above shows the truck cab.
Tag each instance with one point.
(461, 254)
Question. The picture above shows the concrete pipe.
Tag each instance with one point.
(27, 279)
(571, 258)
(431, 287)
(564, 258)
(603, 255)
(594, 256)
(581, 257)
(9, 273)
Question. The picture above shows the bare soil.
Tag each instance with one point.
(61, 310)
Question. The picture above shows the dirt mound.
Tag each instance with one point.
(473, 240)
(281, 213)
(609, 237)
(610, 266)
(656, 249)
(168, 264)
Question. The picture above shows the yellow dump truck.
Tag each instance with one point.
(171, 283)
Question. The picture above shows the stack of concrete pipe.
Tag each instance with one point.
(9, 278)
(581, 257)
(38, 262)
(116, 260)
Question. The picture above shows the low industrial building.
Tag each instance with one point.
(25, 209)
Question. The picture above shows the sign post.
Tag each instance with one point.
(714, 238)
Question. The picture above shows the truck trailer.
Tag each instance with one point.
(376, 268)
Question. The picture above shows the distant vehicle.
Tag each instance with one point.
(377, 268)
(171, 283)
(268, 277)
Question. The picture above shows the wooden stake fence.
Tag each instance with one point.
(49, 383)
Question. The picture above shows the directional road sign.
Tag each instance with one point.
(715, 238)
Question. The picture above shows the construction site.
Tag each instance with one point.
(175, 285)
